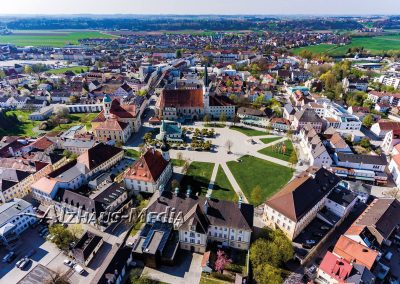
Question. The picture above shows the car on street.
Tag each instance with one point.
(79, 269)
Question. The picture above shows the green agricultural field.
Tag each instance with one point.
(375, 45)
(50, 38)
(75, 69)
(252, 172)
(249, 131)
(198, 177)
(273, 152)
(223, 189)
(320, 48)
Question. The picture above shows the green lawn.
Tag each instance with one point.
(249, 131)
(210, 280)
(273, 151)
(75, 69)
(50, 38)
(132, 153)
(269, 139)
(198, 177)
(251, 172)
(17, 122)
(375, 45)
(223, 189)
(177, 162)
(77, 119)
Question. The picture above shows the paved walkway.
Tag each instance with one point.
(212, 179)
(233, 182)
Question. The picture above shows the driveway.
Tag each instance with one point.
(186, 270)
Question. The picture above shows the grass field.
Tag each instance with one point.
(251, 172)
(223, 189)
(132, 153)
(249, 131)
(23, 126)
(269, 139)
(75, 69)
(198, 177)
(50, 38)
(269, 151)
(77, 119)
(177, 162)
(375, 45)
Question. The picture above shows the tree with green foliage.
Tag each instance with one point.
(28, 69)
(178, 53)
(368, 120)
(222, 117)
(62, 237)
(328, 80)
(306, 54)
(269, 254)
(147, 137)
(365, 143)
(207, 119)
(259, 101)
(293, 159)
(267, 274)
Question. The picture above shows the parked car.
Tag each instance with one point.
(312, 269)
(68, 262)
(325, 228)
(79, 269)
(310, 242)
(19, 262)
(318, 234)
(306, 246)
(8, 256)
(25, 263)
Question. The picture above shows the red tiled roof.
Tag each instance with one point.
(351, 251)
(111, 124)
(181, 98)
(148, 168)
(42, 143)
(388, 125)
(335, 267)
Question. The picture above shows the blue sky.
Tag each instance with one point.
(310, 7)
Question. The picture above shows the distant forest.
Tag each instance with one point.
(175, 23)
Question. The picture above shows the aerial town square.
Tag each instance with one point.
(199, 142)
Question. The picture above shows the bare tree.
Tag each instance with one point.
(228, 145)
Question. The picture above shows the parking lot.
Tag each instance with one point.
(312, 234)
(47, 254)
(30, 239)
